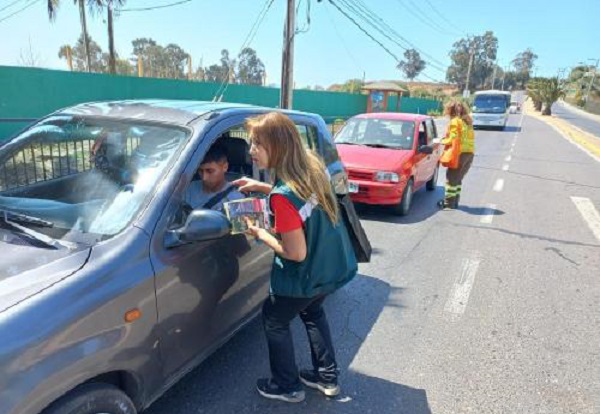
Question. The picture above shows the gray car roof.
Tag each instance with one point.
(159, 110)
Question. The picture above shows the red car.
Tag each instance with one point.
(389, 156)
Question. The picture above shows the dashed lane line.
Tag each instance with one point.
(462, 287)
(588, 212)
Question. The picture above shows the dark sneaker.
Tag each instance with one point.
(271, 390)
(312, 380)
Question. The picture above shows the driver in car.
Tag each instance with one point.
(212, 190)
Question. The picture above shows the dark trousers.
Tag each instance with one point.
(278, 312)
(455, 177)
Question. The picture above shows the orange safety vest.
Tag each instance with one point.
(452, 144)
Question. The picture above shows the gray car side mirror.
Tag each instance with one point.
(201, 225)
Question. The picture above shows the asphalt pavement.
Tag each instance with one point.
(577, 117)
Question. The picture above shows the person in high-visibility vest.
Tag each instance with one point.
(467, 149)
(451, 156)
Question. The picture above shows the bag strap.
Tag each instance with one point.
(217, 197)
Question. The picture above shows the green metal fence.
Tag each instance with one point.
(29, 93)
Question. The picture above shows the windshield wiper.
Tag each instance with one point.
(347, 143)
(24, 218)
(47, 240)
(381, 146)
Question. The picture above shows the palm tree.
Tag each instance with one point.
(109, 7)
(66, 52)
(53, 5)
(533, 89)
(544, 92)
(551, 92)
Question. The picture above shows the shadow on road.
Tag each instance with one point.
(423, 207)
(225, 383)
(481, 211)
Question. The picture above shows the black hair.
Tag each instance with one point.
(216, 153)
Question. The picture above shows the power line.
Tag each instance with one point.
(364, 31)
(370, 36)
(155, 7)
(8, 5)
(394, 32)
(343, 42)
(247, 41)
(20, 10)
(376, 21)
(305, 28)
(419, 14)
(459, 30)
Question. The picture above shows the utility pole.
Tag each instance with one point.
(287, 84)
(494, 73)
(86, 41)
(466, 91)
(590, 84)
(112, 62)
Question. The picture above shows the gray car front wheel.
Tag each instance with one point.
(93, 399)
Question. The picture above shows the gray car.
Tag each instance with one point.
(111, 287)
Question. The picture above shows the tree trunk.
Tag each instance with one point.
(84, 30)
(538, 106)
(112, 63)
(547, 109)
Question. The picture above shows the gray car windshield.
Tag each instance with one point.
(82, 180)
(378, 133)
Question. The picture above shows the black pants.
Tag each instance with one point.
(278, 312)
(455, 178)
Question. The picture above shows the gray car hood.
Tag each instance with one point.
(26, 270)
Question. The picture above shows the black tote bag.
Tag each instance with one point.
(359, 240)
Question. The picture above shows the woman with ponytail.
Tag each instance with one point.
(313, 256)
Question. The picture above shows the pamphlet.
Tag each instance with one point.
(252, 209)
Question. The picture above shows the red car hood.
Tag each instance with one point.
(369, 158)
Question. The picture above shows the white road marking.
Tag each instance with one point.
(589, 213)
(508, 158)
(505, 167)
(499, 185)
(489, 214)
(460, 293)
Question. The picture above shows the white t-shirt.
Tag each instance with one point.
(196, 196)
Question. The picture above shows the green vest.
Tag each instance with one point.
(330, 262)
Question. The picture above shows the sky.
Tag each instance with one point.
(329, 48)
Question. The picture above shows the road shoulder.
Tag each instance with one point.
(586, 141)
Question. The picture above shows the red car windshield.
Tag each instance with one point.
(377, 132)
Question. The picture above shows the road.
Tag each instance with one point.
(493, 308)
(586, 122)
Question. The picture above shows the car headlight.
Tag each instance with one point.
(387, 176)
